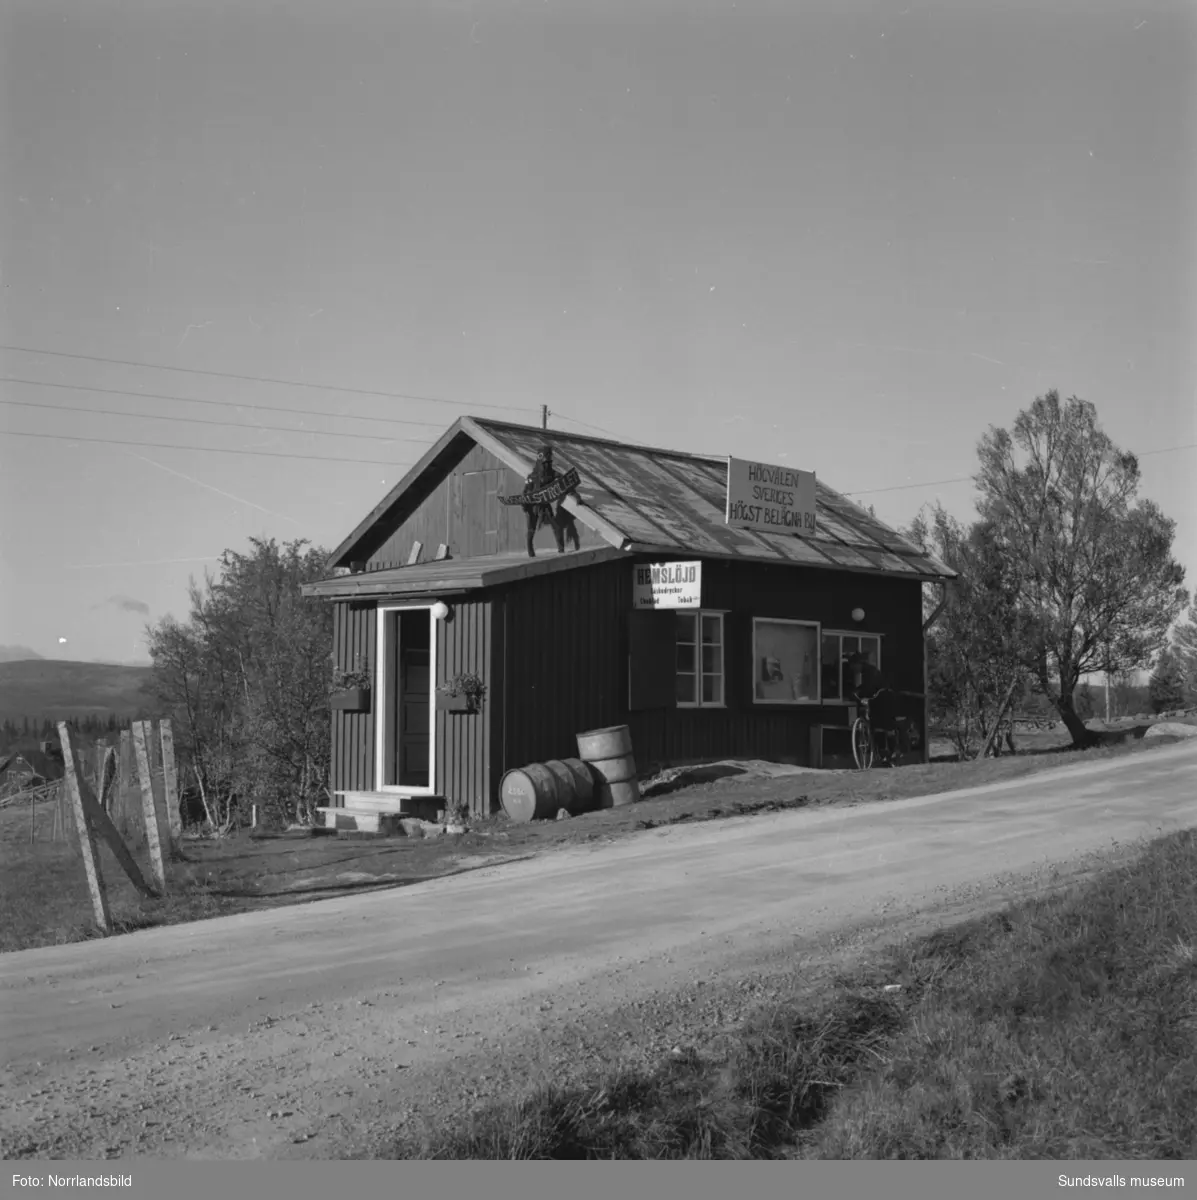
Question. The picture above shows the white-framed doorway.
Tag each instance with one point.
(405, 700)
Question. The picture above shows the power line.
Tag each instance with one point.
(905, 487)
(306, 412)
(109, 412)
(66, 437)
(585, 425)
(323, 387)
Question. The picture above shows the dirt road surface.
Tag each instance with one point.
(315, 1031)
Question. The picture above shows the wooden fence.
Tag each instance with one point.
(125, 794)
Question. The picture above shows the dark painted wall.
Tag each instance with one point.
(463, 739)
(353, 733)
(553, 653)
(566, 661)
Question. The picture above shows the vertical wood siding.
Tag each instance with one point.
(565, 657)
(553, 649)
(353, 733)
(463, 739)
(465, 515)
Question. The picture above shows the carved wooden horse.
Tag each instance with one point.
(538, 515)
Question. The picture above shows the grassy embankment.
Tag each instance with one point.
(1062, 1028)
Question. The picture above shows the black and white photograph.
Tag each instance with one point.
(598, 580)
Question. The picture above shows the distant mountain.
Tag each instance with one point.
(43, 687)
(17, 654)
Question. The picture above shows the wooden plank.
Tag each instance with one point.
(149, 809)
(87, 841)
(107, 778)
(442, 552)
(101, 822)
(124, 798)
(414, 556)
(171, 780)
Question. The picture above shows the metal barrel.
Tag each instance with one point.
(575, 785)
(536, 792)
(616, 795)
(598, 744)
(614, 770)
(608, 753)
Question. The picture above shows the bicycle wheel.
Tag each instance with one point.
(862, 743)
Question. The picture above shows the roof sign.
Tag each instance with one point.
(770, 499)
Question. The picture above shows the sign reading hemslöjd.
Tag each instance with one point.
(667, 585)
(770, 499)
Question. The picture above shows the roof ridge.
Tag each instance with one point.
(486, 422)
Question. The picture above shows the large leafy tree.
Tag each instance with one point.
(1167, 684)
(971, 648)
(1096, 585)
(1185, 642)
(247, 679)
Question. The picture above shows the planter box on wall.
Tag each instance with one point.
(461, 703)
(351, 700)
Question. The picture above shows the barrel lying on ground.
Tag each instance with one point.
(536, 792)
(608, 753)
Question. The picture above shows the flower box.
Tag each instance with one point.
(351, 700)
(456, 703)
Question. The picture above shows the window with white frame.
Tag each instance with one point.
(838, 647)
(785, 661)
(700, 660)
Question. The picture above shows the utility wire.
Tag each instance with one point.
(556, 412)
(306, 412)
(66, 437)
(905, 487)
(323, 387)
(109, 412)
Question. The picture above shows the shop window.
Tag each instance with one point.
(837, 649)
(699, 673)
(785, 658)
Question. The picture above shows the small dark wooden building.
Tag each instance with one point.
(435, 583)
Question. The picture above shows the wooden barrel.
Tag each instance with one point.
(597, 744)
(616, 795)
(536, 792)
(575, 785)
(614, 770)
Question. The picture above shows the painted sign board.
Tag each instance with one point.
(667, 585)
(770, 499)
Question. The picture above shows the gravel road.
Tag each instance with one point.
(320, 1030)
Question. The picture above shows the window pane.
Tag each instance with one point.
(786, 662)
(712, 689)
(851, 646)
(685, 688)
(711, 631)
(711, 656)
(687, 625)
(685, 658)
(831, 666)
(870, 647)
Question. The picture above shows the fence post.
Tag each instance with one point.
(125, 783)
(170, 780)
(148, 807)
(87, 841)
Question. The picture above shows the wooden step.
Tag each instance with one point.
(358, 820)
(392, 802)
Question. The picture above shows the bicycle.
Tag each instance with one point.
(868, 740)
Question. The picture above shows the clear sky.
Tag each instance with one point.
(843, 237)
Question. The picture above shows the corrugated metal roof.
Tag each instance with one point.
(641, 500)
(667, 502)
